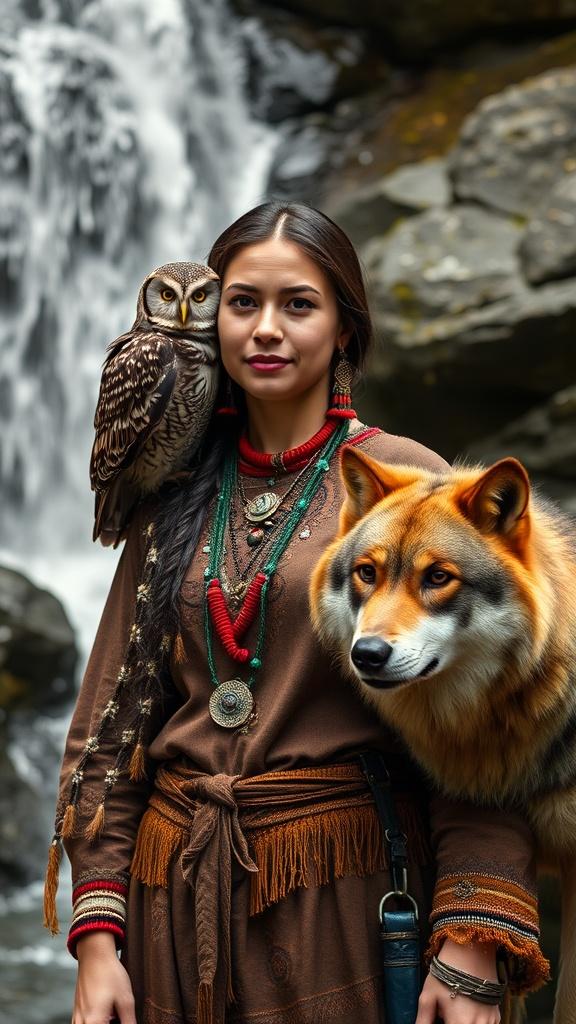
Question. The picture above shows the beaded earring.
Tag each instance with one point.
(341, 405)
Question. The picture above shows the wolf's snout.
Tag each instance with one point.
(369, 654)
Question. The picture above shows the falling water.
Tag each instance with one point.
(126, 141)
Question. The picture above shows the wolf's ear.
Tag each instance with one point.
(367, 482)
(497, 501)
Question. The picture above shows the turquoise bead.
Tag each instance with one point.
(322, 464)
(207, 573)
(255, 663)
(302, 503)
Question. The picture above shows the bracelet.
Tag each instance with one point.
(462, 984)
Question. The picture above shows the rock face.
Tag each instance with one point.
(38, 659)
(422, 25)
(545, 441)
(297, 66)
(476, 298)
(373, 209)
(518, 144)
(548, 248)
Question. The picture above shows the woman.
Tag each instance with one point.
(244, 882)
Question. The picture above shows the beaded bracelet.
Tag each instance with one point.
(462, 984)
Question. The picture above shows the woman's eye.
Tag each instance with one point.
(437, 578)
(299, 303)
(168, 294)
(367, 573)
(199, 296)
(242, 301)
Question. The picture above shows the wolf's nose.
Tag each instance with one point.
(370, 653)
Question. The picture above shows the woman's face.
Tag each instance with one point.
(278, 321)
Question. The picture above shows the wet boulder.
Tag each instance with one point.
(517, 144)
(37, 646)
(38, 658)
(548, 248)
(373, 209)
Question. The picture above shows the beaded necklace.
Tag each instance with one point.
(271, 526)
(232, 704)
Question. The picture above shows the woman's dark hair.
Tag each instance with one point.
(181, 511)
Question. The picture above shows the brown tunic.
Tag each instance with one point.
(313, 955)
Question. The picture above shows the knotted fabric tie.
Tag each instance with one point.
(215, 838)
(306, 826)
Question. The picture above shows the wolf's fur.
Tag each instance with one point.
(474, 591)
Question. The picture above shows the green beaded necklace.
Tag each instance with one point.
(232, 703)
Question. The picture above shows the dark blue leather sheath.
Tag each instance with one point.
(400, 944)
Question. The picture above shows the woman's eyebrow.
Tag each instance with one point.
(244, 287)
(289, 290)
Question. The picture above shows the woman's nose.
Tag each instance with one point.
(268, 327)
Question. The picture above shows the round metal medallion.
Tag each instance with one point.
(231, 704)
(261, 507)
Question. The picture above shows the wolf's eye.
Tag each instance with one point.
(367, 573)
(437, 578)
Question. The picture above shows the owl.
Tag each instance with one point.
(159, 384)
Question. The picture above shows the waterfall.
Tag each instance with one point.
(127, 142)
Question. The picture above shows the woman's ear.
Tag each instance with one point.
(344, 335)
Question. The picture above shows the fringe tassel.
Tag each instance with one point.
(94, 828)
(51, 885)
(533, 970)
(69, 821)
(312, 851)
(137, 766)
(156, 843)
(205, 1003)
(308, 851)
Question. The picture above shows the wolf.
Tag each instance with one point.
(450, 600)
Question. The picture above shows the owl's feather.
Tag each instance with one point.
(137, 383)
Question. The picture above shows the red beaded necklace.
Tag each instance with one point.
(257, 463)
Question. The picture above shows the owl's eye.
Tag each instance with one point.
(199, 296)
(168, 294)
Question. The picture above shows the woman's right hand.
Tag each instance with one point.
(103, 989)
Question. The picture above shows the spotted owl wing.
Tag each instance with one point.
(137, 382)
(138, 379)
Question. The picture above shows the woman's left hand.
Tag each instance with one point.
(477, 958)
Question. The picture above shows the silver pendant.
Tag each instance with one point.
(231, 704)
(261, 507)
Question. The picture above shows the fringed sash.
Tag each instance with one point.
(287, 829)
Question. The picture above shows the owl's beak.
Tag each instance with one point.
(184, 311)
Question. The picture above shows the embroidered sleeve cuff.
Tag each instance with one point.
(98, 906)
(486, 908)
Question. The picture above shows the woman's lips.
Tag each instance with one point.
(267, 364)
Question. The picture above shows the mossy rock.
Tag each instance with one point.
(38, 653)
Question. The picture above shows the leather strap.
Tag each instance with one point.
(399, 932)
